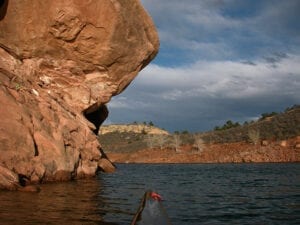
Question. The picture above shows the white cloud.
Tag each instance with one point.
(121, 102)
(206, 93)
(223, 79)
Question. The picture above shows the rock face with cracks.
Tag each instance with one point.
(60, 62)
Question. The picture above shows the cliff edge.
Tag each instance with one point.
(60, 63)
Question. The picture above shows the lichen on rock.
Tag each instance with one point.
(60, 63)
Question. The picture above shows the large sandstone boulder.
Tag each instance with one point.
(60, 62)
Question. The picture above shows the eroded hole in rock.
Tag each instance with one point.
(96, 115)
(3, 8)
(23, 180)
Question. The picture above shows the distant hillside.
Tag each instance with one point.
(128, 138)
(277, 126)
(134, 128)
(133, 137)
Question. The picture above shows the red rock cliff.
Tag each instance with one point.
(60, 62)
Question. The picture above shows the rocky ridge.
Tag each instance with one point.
(134, 128)
(60, 63)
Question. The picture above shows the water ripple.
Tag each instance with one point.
(192, 195)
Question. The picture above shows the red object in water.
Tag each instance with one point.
(151, 211)
(156, 196)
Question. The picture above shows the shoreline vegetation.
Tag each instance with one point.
(216, 153)
(275, 137)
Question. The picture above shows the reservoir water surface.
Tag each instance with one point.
(193, 194)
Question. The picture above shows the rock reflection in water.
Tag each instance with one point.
(75, 202)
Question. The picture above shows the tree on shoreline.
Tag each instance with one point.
(177, 142)
(199, 142)
(254, 136)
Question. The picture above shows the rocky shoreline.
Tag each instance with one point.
(239, 152)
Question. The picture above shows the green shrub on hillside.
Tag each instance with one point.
(228, 125)
(268, 115)
(281, 126)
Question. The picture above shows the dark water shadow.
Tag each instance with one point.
(75, 202)
(3, 8)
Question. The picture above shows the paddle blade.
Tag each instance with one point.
(151, 211)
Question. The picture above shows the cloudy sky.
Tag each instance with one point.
(219, 60)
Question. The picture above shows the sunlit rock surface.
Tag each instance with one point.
(60, 62)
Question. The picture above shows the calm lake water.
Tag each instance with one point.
(193, 194)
